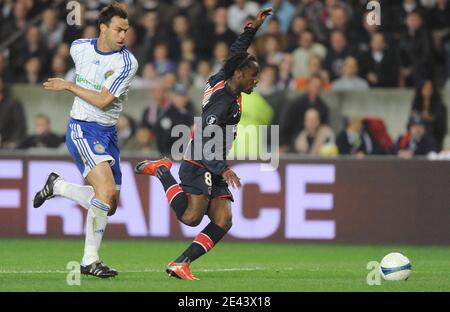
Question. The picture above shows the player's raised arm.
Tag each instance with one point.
(245, 39)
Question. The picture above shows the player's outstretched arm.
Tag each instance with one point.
(245, 39)
(261, 16)
(100, 99)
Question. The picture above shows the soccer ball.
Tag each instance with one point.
(395, 267)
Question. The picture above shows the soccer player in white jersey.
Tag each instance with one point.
(104, 70)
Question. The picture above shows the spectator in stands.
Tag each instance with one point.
(273, 27)
(90, 31)
(355, 140)
(43, 135)
(52, 29)
(267, 87)
(216, 30)
(259, 113)
(286, 80)
(314, 136)
(63, 51)
(416, 52)
(126, 127)
(18, 21)
(339, 21)
(416, 141)
(151, 33)
(292, 117)
(143, 141)
(301, 56)
(179, 112)
(365, 34)
(184, 73)
(314, 69)
(169, 80)
(272, 51)
(148, 79)
(298, 26)
(267, 80)
(283, 10)
(439, 16)
(180, 30)
(191, 8)
(402, 11)
(160, 99)
(32, 72)
(31, 48)
(336, 54)
(188, 50)
(220, 55)
(161, 60)
(238, 12)
(165, 9)
(132, 44)
(349, 80)
(312, 13)
(428, 103)
(5, 71)
(59, 67)
(202, 74)
(12, 119)
(327, 11)
(380, 64)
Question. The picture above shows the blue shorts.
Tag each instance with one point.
(90, 143)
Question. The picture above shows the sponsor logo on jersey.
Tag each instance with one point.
(84, 82)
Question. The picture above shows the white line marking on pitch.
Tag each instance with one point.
(140, 271)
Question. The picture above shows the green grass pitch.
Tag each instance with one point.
(40, 265)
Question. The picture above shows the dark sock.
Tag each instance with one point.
(175, 195)
(203, 242)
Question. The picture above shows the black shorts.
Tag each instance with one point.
(199, 180)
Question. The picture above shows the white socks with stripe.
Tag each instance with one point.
(96, 221)
(96, 218)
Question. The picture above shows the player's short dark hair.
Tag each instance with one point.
(107, 13)
(237, 61)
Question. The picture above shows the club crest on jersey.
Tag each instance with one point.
(99, 148)
(108, 73)
(211, 120)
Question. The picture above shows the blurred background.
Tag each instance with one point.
(361, 109)
(335, 84)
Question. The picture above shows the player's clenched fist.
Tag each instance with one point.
(231, 178)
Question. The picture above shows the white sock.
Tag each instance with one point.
(90, 250)
(96, 221)
(82, 194)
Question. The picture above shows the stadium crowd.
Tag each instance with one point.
(308, 47)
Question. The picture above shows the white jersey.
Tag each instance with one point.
(95, 70)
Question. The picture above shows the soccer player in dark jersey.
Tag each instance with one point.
(204, 183)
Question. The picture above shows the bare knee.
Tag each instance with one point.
(191, 219)
(107, 194)
(113, 207)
